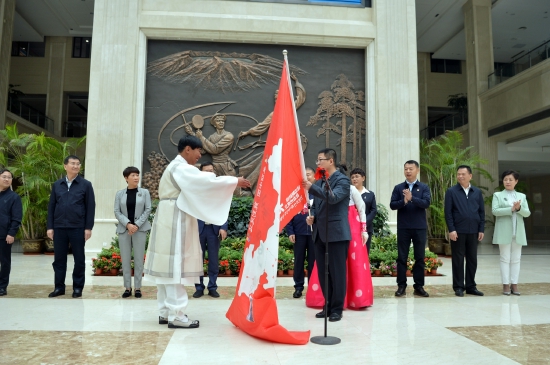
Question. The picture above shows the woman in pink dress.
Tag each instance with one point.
(359, 291)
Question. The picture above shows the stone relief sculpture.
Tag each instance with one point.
(228, 72)
(342, 101)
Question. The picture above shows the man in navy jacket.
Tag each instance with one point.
(299, 233)
(465, 217)
(71, 214)
(333, 209)
(11, 213)
(411, 199)
(210, 236)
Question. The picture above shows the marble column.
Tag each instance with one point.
(479, 64)
(113, 115)
(393, 134)
(7, 12)
(423, 61)
(56, 72)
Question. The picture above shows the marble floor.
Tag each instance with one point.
(443, 329)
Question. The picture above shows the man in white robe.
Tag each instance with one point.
(174, 256)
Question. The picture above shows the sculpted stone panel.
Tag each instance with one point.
(220, 93)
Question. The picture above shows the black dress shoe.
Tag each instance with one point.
(77, 293)
(163, 320)
(400, 290)
(127, 293)
(419, 291)
(335, 317)
(137, 293)
(198, 293)
(297, 293)
(459, 292)
(214, 293)
(321, 314)
(57, 292)
(474, 291)
(3, 292)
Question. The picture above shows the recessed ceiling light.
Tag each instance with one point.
(522, 28)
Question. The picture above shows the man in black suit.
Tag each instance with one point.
(465, 217)
(210, 236)
(339, 235)
(357, 177)
(71, 218)
(411, 199)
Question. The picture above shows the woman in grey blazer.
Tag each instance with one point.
(132, 208)
(509, 209)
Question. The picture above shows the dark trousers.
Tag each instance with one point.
(368, 242)
(337, 256)
(5, 263)
(210, 241)
(464, 247)
(303, 246)
(61, 239)
(404, 238)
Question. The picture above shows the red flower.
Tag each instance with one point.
(319, 173)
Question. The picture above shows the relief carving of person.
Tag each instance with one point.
(218, 145)
(250, 166)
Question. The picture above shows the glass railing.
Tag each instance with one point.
(447, 123)
(530, 59)
(27, 112)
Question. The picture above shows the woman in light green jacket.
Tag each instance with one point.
(509, 209)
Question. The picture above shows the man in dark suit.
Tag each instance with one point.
(335, 207)
(357, 177)
(299, 233)
(465, 217)
(11, 214)
(71, 218)
(411, 199)
(210, 236)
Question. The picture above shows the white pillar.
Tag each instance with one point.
(394, 133)
(116, 79)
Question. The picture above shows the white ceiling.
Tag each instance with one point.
(529, 156)
(35, 19)
(443, 35)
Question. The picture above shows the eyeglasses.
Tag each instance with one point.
(321, 159)
(6, 177)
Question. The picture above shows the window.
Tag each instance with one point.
(28, 49)
(82, 47)
(446, 66)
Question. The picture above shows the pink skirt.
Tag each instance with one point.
(359, 292)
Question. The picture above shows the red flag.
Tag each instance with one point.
(279, 197)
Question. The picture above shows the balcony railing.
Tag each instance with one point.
(526, 61)
(27, 112)
(447, 123)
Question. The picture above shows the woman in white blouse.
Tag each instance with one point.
(509, 209)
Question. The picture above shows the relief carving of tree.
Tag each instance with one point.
(342, 102)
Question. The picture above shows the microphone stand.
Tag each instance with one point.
(326, 340)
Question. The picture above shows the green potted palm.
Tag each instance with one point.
(440, 158)
(36, 162)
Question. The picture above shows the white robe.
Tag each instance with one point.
(186, 194)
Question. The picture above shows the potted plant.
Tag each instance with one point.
(224, 267)
(440, 158)
(36, 162)
(290, 266)
(280, 267)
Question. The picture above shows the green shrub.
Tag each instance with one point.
(380, 221)
(239, 216)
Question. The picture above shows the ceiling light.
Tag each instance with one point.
(436, 15)
(87, 41)
(522, 28)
